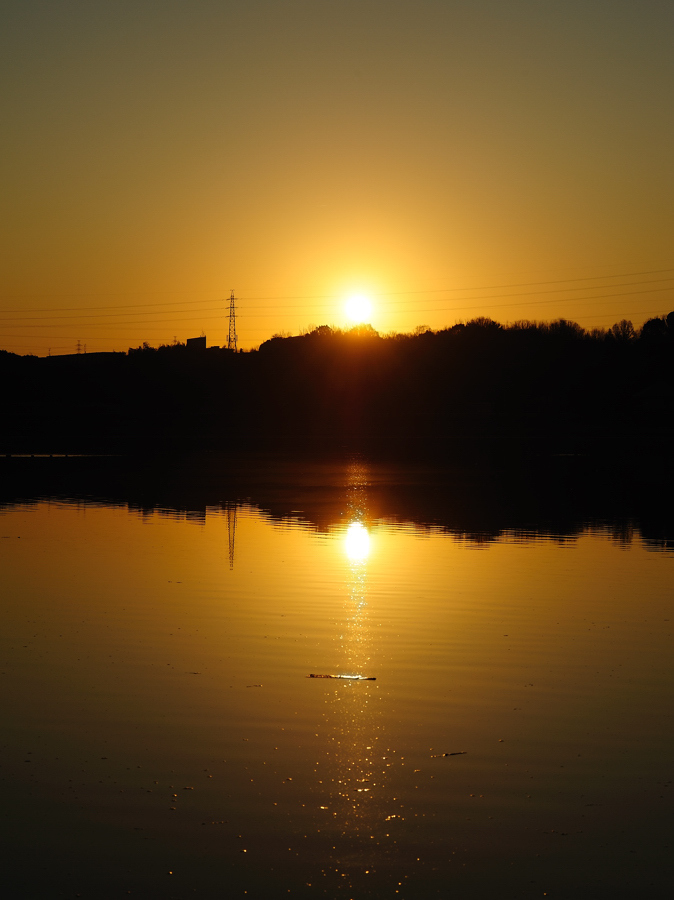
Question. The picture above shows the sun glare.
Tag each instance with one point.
(358, 308)
(357, 542)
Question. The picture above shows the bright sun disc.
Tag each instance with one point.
(358, 308)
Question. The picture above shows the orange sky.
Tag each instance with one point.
(450, 159)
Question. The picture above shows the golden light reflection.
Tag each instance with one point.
(357, 542)
(357, 798)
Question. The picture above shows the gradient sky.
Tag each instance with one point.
(450, 159)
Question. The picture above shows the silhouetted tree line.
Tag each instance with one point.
(551, 385)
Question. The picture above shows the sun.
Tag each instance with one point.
(358, 308)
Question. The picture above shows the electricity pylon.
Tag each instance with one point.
(231, 531)
(231, 338)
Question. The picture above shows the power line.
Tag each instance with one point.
(115, 324)
(487, 287)
(25, 321)
(16, 338)
(125, 306)
(154, 334)
(598, 287)
(538, 302)
(96, 316)
(337, 296)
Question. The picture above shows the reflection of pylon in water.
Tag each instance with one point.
(231, 531)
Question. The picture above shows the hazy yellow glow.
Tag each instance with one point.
(357, 542)
(358, 308)
(523, 195)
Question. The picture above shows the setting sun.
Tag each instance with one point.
(358, 308)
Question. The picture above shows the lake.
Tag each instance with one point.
(162, 738)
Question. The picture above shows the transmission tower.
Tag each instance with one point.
(231, 531)
(231, 339)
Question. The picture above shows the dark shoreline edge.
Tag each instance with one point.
(559, 494)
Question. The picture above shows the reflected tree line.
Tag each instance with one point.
(558, 497)
(481, 386)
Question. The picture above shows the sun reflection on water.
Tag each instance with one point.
(357, 542)
(357, 798)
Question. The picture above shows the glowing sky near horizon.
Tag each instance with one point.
(447, 159)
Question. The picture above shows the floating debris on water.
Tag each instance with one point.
(347, 677)
(454, 753)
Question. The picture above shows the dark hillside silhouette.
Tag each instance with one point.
(541, 386)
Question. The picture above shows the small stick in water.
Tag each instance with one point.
(347, 677)
(455, 753)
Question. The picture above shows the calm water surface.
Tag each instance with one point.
(161, 738)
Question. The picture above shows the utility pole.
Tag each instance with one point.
(231, 338)
(79, 347)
